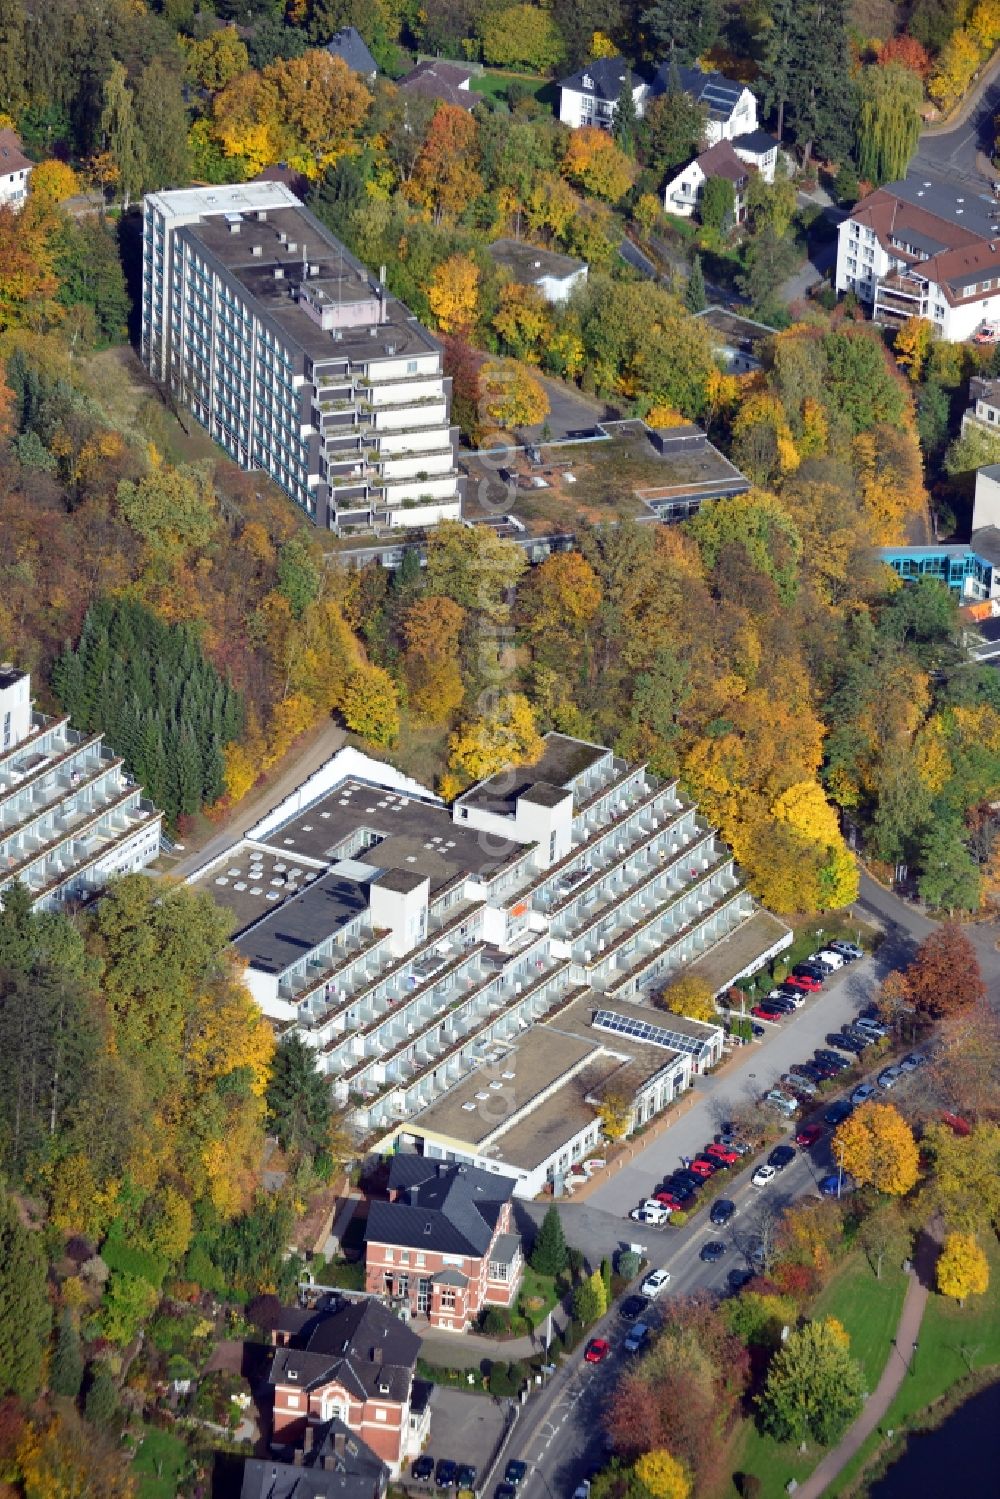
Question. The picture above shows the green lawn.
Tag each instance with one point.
(540, 1287)
(954, 1341)
(158, 1464)
(869, 1310)
(497, 84)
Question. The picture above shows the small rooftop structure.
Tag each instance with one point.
(554, 275)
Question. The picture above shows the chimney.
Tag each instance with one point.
(308, 1439)
(377, 1356)
(339, 1442)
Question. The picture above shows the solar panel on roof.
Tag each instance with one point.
(642, 1030)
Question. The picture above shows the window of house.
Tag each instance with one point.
(447, 1299)
(380, 1413)
(498, 1271)
(421, 1261)
(411, 366)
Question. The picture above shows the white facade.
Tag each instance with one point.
(895, 289)
(70, 817)
(15, 170)
(295, 359)
(740, 120)
(585, 106)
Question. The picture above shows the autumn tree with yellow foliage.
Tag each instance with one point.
(876, 1146)
(691, 996)
(454, 294)
(496, 741)
(662, 1476)
(962, 1268)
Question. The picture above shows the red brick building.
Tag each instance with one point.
(353, 1362)
(444, 1244)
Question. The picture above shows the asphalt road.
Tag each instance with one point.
(952, 153)
(561, 1433)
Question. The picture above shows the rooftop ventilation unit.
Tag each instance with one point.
(279, 274)
(293, 246)
(262, 215)
(257, 252)
(282, 237)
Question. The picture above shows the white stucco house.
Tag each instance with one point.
(552, 274)
(15, 170)
(683, 193)
(590, 96)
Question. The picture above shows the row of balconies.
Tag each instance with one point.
(66, 863)
(659, 897)
(25, 849)
(489, 991)
(712, 925)
(72, 789)
(458, 1057)
(618, 856)
(601, 892)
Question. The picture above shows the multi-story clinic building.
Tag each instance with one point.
(295, 358)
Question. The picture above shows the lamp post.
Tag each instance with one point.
(913, 1358)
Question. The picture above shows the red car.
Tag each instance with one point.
(597, 1350)
(668, 1200)
(700, 1167)
(808, 1135)
(722, 1153)
(803, 981)
(764, 1012)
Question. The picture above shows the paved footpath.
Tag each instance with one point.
(896, 1369)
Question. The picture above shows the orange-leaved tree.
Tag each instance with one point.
(446, 173)
(453, 294)
(594, 162)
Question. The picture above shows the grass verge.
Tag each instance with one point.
(158, 1464)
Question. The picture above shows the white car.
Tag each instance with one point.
(797, 999)
(651, 1212)
(784, 1102)
(828, 958)
(849, 950)
(655, 1282)
(763, 1175)
(862, 1093)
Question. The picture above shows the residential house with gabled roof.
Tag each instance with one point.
(444, 1245)
(446, 81)
(730, 106)
(350, 46)
(591, 96)
(15, 170)
(332, 1463)
(352, 1362)
(683, 193)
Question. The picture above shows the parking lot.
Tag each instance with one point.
(466, 1428)
(786, 1042)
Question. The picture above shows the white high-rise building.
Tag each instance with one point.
(70, 816)
(296, 359)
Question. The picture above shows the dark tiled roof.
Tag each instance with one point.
(358, 1344)
(601, 79)
(721, 160)
(757, 141)
(349, 45)
(339, 1465)
(719, 94)
(446, 1208)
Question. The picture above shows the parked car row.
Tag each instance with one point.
(449, 1475)
(806, 978)
(678, 1191)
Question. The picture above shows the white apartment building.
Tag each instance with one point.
(15, 170)
(924, 248)
(413, 945)
(296, 359)
(70, 817)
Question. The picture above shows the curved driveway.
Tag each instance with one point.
(951, 151)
